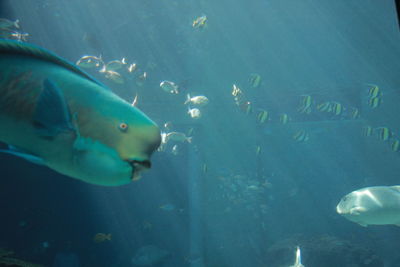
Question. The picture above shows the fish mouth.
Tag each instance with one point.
(137, 167)
(340, 211)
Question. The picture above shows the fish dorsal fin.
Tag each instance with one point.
(30, 50)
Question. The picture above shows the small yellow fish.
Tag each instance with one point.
(325, 106)
(367, 131)
(263, 116)
(101, 237)
(301, 136)
(337, 108)
(384, 133)
(255, 80)
(355, 113)
(395, 146)
(374, 102)
(374, 91)
(258, 150)
(284, 118)
(205, 168)
(236, 90)
(167, 207)
(305, 104)
(200, 22)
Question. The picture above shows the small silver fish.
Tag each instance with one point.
(175, 150)
(168, 125)
(90, 62)
(169, 87)
(194, 113)
(167, 207)
(199, 100)
(132, 67)
(177, 136)
(8, 24)
(19, 36)
(114, 65)
(135, 101)
(114, 76)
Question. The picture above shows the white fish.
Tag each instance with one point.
(169, 87)
(175, 150)
(114, 76)
(163, 142)
(168, 125)
(132, 67)
(90, 62)
(199, 100)
(194, 113)
(135, 101)
(19, 36)
(176, 136)
(297, 261)
(377, 205)
(114, 65)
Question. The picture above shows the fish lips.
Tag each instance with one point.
(138, 166)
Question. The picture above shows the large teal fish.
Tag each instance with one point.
(54, 114)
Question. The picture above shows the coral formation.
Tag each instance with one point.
(7, 260)
(324, 250)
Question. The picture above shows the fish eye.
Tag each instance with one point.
(123, 126)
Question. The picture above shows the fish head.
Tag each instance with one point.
(116, 144)
(346, 204)
(354, 206)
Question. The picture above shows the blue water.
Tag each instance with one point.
(219, 203)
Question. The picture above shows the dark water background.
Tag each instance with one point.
(328, 49)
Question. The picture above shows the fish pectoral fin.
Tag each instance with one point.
(52, 115)
(22, 154)
(362, 224)
(357, 210)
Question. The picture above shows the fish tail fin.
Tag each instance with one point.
(123, 60)
(109, 236)
(135, 101)
(187, 99)
(103, 69)
(101, 60)
(190, 139)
